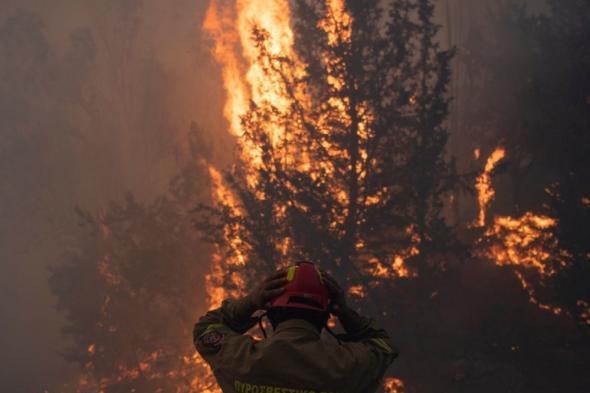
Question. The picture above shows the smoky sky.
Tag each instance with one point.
(96, 100)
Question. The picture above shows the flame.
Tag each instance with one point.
(243, 69)
(394, 385)
(532, 297)
(357, 290)
(145, 369)
(397, 266)
(585, 311)
(526, 243)
(400, 267)
(215, 279)
(477, 154)
(483, 184)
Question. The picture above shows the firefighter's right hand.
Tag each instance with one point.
(337, 295)
(268, 289)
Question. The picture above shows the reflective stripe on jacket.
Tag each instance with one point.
(295, 358)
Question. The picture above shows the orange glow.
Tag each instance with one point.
(91, 349)
(585, 311)
(399, 267)
(533, 299)
(518, 239)
(332, 322)
(231, 25)
(483, 184)
(476, 154)
(338, 23)
(145, 369)
(396, 267)
(105, 269)
(527, 243)
(214, 280)
(394, 385)
(357, 290)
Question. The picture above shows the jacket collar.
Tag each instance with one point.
(297, 324)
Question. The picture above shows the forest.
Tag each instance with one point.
(434, 156)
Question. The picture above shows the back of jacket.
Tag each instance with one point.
(295, 359)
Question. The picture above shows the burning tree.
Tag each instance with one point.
(338, 111)
(531, 87)
(341, 142)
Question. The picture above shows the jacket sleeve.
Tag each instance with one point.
(224, 328)
(370, 347)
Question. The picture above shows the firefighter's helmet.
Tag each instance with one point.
(305, 289)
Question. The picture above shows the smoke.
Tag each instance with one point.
(96, 100)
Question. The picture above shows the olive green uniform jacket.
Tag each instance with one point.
(295, 358)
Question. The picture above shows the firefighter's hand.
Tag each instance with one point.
(337, 295)
(268, 289)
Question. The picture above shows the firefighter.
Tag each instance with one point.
(296, 358)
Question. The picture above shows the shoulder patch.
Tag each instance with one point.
(211, 339)
(382, 344)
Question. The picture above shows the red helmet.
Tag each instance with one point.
(305, 289)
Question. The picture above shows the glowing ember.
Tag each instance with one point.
(585, 311)
(477, 154)
(483, 184)
(400, 267)
(397, 266)
(394, 385)
(357, 290)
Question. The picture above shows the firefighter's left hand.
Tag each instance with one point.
(337, 294)
(268, 289)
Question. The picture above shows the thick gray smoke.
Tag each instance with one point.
(96, 99)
